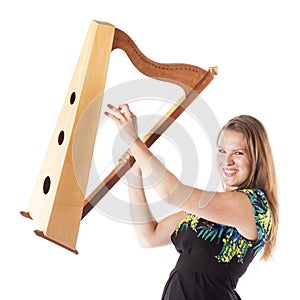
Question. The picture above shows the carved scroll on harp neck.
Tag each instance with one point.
(185, 75)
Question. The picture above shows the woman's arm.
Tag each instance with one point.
(230, 208)
(149, 232)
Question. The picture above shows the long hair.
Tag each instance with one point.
(262, 175)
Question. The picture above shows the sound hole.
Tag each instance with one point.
(73, 98)
(61, 137)
(46, 186)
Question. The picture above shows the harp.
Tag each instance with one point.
(58, 201)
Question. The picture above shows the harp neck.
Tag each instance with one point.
(185, 75)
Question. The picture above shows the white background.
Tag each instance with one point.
(254, 43)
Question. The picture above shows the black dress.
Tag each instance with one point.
(214, 256)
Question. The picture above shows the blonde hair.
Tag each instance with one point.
(263, 175)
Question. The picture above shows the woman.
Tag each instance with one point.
(216, 233)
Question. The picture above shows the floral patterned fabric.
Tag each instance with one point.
(216, 251)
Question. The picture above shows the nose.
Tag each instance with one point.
(229, 160)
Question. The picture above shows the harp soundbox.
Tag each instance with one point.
(58, 202)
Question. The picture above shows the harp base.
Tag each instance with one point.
(25, 214)
(41, 234)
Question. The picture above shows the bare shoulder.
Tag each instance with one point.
(229, 208)
(238, 212)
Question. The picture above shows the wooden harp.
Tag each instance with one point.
(58, 201)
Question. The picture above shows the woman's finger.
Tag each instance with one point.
(116, 112)
(124, 157)
(124, 108)
(112, 116)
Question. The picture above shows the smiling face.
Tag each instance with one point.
(233, 159)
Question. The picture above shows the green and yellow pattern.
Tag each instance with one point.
(234, 244)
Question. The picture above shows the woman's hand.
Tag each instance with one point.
(134, 174)
(126, 122)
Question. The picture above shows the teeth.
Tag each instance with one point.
(230, 171)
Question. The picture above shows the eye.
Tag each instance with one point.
(221, 151)
(239, 153)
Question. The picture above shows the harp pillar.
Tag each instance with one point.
(58, 196)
